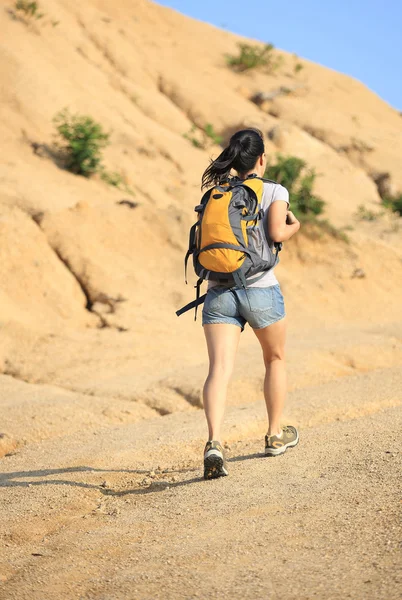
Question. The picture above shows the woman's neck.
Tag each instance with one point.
(246, 175)
(256, 171)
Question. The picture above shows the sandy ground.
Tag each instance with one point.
(119, 510)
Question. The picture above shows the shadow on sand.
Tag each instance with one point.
(26, 479)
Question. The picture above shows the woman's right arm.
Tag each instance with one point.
(282, 224)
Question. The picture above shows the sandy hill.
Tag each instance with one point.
(89, 284)
(149, 74)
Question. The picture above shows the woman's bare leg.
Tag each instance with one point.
(222, 342)
(272, 340)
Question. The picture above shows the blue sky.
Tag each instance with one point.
(359, 38)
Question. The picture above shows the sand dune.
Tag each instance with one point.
(100, 398)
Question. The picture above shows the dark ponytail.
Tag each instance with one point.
(244, 148)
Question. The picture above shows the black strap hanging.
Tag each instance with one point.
(191, 305)
(188, 254)
(197, 296)
(191, 247)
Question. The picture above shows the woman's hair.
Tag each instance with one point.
(244, 148)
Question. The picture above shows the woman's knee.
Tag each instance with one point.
(221, 370)
(273, 355)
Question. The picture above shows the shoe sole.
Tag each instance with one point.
(214, 467)
(282, 449)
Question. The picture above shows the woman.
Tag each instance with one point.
(227, 310)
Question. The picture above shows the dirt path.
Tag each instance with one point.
(123, 512)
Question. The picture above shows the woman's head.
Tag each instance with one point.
(244, 154)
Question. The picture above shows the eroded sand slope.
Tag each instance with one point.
(100, 490)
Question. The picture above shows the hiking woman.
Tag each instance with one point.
(228, 309)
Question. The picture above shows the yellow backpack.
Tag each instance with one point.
(226, 241)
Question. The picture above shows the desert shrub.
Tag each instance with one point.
(30, 10)
(298, 67)
(81, 141)
(304, 199)
(293, 174)
(394, 203)
(253, 57)
(286, 171)
(203, 138)
(290, 171)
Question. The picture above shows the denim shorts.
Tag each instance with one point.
(259, 307)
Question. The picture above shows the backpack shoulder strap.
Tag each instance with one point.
(256, 186)
(277, 245)
(269, 181)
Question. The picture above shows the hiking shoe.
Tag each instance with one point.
(214, 461)
(275, 445)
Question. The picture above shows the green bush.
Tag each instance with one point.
(30, 9)
(394, 203)
(82, 140)
(253, 57)
(290, 172)
(80, 143)
(204, 138)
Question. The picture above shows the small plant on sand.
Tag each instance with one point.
(30, 10)
(391, 199)
(293, 174)
(297, 65)
(253, 57)
(116, 180)
(365, 214)
(212, 135)
(191, 137)
(82, 141)
(394, 203)
(203, 138)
